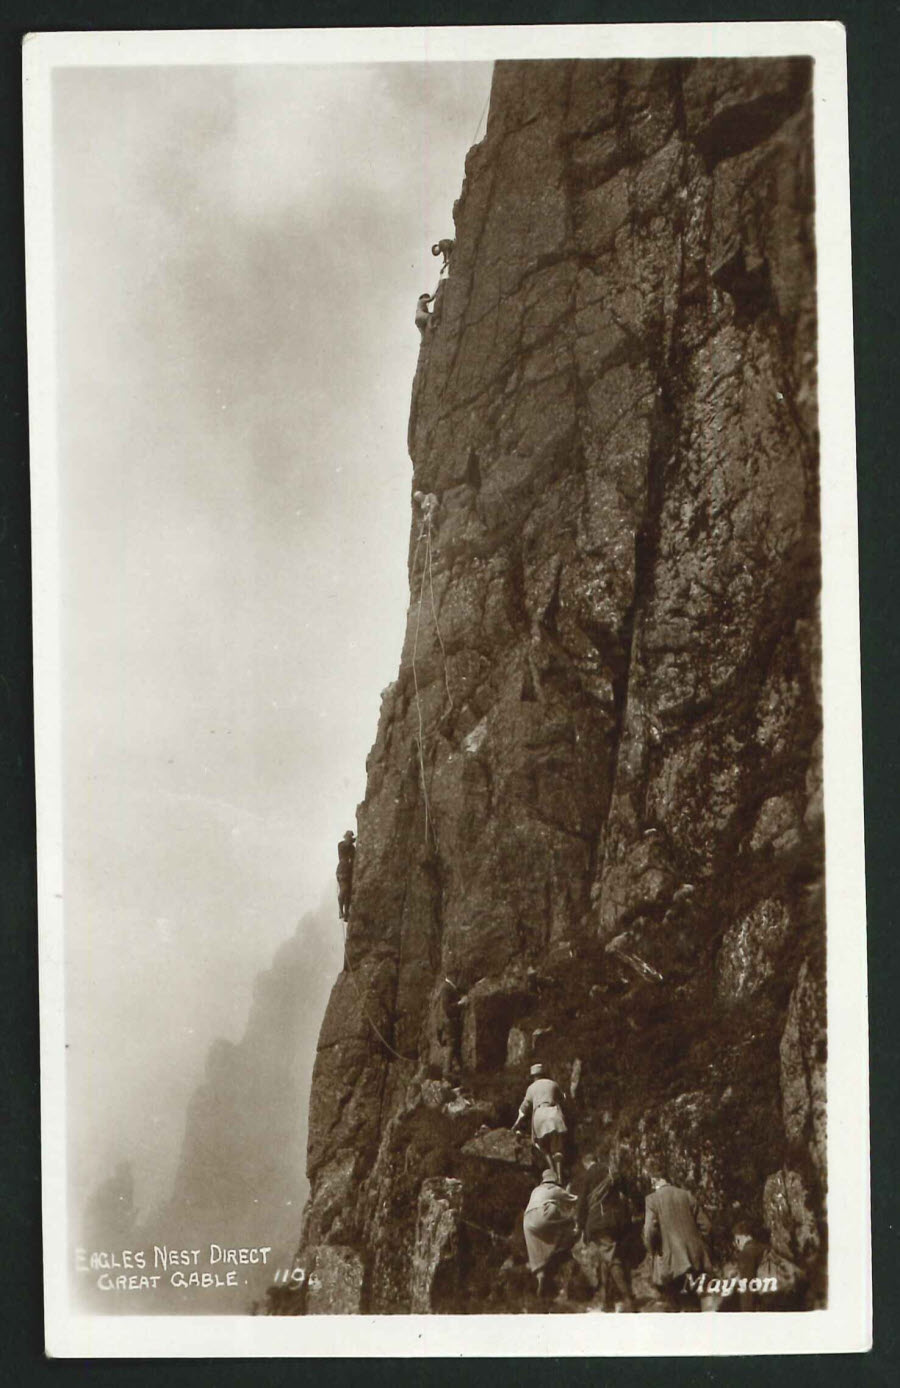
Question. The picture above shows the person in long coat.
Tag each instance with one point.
(549, 1224)
(675, 1226)
(544, 1103)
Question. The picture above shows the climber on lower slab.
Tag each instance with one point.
(543, 1102)
(423, 313)
(344, 874)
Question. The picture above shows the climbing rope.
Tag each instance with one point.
(416, 683)
(497, 1238)
(427, 571)
(437, 625)
(365, 1010)
(481, 118)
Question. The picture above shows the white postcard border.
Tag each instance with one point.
(846, 1324)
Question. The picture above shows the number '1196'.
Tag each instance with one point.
(295, 1277)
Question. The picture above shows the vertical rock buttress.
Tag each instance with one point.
(594, 798)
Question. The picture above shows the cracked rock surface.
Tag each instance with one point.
(606, 719)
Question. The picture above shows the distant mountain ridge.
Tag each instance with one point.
(240, 1179)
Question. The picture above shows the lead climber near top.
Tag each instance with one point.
(428, 505)
(445, 248)
(344, 874)
(423, 314)
(544, 1102)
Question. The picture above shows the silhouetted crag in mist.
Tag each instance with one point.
(620, 724)
(240, 1177)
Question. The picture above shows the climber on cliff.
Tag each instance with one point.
(344, 874)
(428, 505)
(544, 1103)
(445, 248)
(423, 313)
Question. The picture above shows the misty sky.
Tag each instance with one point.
(239, 251)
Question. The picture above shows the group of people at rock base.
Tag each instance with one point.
(592, 1220)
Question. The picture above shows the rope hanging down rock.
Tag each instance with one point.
(427, 571)
(481, 118)
(420, 741)
(365, 1010)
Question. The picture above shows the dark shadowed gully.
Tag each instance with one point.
(607, 706)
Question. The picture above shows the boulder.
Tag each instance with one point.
(332, 1192)
(435, 1261)
(789, 1218)
(778, 828)
(802, 1051)
(751, 949)
(501, 1145)
(335, 1282)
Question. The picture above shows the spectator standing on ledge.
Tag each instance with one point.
(344, 874)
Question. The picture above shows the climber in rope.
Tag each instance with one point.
(428, 505)
(544, 1102)
(603, 1219)
(423, 313)
(344, 874)
(445, 248)
(548, 1225)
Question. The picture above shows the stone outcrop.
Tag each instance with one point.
(605, 730)
(436, 1255)
(499, 1144)
(803, 1067)
(789, 1219)
(335, 1282)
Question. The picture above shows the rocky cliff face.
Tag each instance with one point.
(594, 798)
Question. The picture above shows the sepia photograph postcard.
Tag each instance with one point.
(447, 692)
